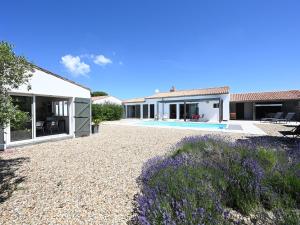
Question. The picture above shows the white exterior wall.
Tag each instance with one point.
(205, 106)
(108, 100)
(226, 103)
(148, 101)
(43, 83)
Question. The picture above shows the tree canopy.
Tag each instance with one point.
(99, 93)
(14, 71)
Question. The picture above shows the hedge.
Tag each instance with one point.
(107, 112)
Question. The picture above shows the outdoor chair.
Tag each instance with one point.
(165, 117)
(197, 117)
(278, 115)
(294, 132)
(287, 118)
(52, 126)
(40, 126)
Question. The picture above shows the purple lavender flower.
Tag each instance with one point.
(207, 174)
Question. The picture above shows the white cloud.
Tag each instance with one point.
(156, 91)
(75, 65)
(101, 60)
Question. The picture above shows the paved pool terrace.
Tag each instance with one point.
(242, 127)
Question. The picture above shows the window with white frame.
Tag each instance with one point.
(60, 108)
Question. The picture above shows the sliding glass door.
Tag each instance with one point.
(191, 109)
(21, 125)
(151, 110)
(52, 116)
(145, 111)
(133, 111)
(173, 109)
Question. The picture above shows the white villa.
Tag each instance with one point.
(209, 104)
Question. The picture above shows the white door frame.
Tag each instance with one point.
(7, 137)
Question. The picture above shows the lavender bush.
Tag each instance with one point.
(207, 178)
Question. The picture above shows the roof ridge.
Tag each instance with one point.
(266, 96)
(266, 92)
(101, 96)
(132, 98)
(194, 89)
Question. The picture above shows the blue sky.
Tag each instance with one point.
(130, 48)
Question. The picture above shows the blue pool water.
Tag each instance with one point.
(184, 124)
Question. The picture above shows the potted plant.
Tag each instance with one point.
(95, 125)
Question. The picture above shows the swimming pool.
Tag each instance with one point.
(218, 126)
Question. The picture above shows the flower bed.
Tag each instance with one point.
(208, 180)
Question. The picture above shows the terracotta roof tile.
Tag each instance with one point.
(134, 100)
(266, 96)
(194, 92)
(99, 97)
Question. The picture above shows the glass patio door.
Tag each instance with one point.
(21, 125)
(173, 109)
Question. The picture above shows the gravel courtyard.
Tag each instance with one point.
(87, 180)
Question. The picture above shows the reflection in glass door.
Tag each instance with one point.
(145, 111)
(173, 112)
(151, 110)
(21, 125)
(191, 109)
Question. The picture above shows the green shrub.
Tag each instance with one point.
(107, 112)
(267, 158)
(20, 120)
(99, 93)
(287, 217)
(207, 177)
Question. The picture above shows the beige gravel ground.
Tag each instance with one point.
(81, 181)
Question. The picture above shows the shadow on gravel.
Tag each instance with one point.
(9, 181)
